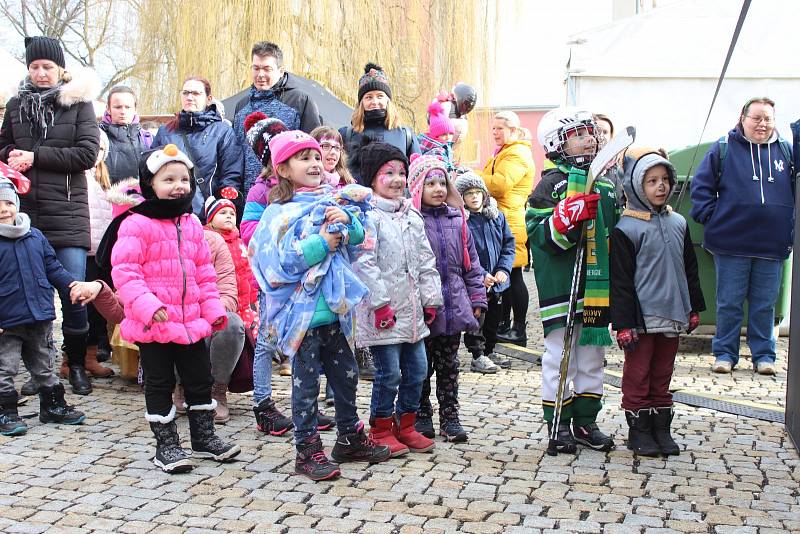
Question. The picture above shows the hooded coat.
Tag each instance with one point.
(58, 201)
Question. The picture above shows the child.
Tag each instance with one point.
(163, 274)
(28, 265)
(462, 287)
(438, 141)
(655, 295)
(301, 258)
(558, 209)
(494, 244)
(334, 160)
(399, 268)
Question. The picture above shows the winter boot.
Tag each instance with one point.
(75, 349)
(103, 349)
(269, 420)
(516, 335)
(565, 442)
(662, 421)
(366, 366)
(178, 400)
(640, 433)
(503, 327)
(404, 431)
(29, 388)
(97, 370)
(219, 394)
(380, 432)
(205, 443)
(170, 457)
(10, 423)
(451, 430)
(359, 447)
(54, 409)
(312, 462)
(424, 425)
(590, 436)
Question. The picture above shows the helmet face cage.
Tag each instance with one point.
(578, 128)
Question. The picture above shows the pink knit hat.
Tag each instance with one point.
(286, 144)
(440, 123)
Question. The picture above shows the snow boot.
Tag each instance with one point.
(219, 392)
(590, 436)
(452, 431)
(312, 462)
(170, 457)
(10, 422)
(640, 433)
(565, 442)
(54, 409)
(270, 420)
(75, 350)
(662, 421)
(380, 431)
(424, 425)
(404, 431)
(205, 443)
(359, 447)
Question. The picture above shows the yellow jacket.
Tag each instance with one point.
(509, 179)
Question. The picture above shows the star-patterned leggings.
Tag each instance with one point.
(323, 348)
(443, 358)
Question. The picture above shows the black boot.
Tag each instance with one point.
(10, 423)
(270, 420)
(75, 349)
(503, 327)
(358, 447)
(565, 442)
(205, 443)
(366, 367)
(640, 433)
(516, 335)
(424, 425)
(29, 388)
(170, 457)
(312, 462)
(591, 436)
(103, 349)
(54, 409)
(662, 421)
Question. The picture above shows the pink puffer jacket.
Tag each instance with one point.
(165, 263)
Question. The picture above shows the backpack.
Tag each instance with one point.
(786, 148)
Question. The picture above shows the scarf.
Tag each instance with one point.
(21, 226)
(596, 312)
(37, 105)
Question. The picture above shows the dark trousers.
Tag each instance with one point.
(98, 333)
(648, 372)
(483, 340)
(159, 362)
(516, 297)
(442, 352)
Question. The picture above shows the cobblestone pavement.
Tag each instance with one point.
(734, 474)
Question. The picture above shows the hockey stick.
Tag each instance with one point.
(601, 163)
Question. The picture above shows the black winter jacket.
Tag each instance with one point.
(288, 92)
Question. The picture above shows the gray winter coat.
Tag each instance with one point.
(398, 266)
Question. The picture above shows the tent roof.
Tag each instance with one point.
(689, 39)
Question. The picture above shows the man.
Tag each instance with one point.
(275, 93)
(127, 139)
(743, 193)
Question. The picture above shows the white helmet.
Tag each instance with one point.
(554, 129)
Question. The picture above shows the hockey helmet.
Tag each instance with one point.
(560, 124)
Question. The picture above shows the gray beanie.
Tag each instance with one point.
(8, 191)
(468, 179)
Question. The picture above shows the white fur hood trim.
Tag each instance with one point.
(84, 87)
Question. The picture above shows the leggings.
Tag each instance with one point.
(516, 297)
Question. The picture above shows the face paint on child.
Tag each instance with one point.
(434, 192)
(656, 186)
(390, 180)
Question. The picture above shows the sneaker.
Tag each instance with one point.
(325, 422)
(590, 436)
(451, 430)
(499, 360)
(722, 366)
(483, 365)
(424, 425)
(359, 447)
(564, 442)
(312, 462)
(765, 368)
(270, 420)
(12, 425)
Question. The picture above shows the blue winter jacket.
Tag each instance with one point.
(494, 243)
(28, 271)
(749, 209)
(214, 150)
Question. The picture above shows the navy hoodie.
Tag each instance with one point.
(749, 210)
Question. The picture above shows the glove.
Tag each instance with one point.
(384, 317)
(694, 322)
(573, 210)
(429, 314)
(627, 338)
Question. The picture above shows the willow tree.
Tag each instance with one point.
(424, 45)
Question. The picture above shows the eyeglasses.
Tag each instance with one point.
(330, 146)
(473, 193)
(196, 94)
(759, 120)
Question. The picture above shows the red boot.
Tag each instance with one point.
(381, 433)
(404, 431)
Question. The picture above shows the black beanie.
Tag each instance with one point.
(41, 47)
(374, 155)
(374, 79)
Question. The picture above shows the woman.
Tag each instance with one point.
(49, 133)
(509, 178)
(375, 118)
(199, 131)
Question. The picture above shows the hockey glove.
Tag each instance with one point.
(384, 317)
(627, 338)
(429, 314)
(694, 322)
(573, 210)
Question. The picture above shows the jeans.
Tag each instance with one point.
(159, 361)
(262, 358)
(75, 319)
(33, 344)
(399, 372)
(757, 280)
(648, 372)
(225, 347)
(323, 347)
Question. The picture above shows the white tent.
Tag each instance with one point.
(658, 70)
(13, 72)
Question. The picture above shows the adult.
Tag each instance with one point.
(375, 118)
(199, 131)
(50, 134)
(127, 139)
(509, 178)
(277, 94)
(743, 194)
(605, 129)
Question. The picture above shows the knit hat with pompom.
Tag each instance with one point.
(260, 130)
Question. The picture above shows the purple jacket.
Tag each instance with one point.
(462, 290)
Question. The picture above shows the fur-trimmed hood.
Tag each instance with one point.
(84, 87)
(123, 195)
